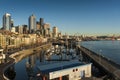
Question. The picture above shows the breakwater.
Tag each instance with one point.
(112, 68)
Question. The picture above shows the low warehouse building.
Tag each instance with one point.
(65, 70)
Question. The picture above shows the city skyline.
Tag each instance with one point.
(73, 16)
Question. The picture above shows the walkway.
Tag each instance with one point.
(15, 58)
(4, 66)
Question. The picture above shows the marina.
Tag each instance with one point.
(41, 65)
(62, 62)
(60, 40)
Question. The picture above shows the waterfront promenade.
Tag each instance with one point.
(17, 56)
(106, 64)
(4, 66)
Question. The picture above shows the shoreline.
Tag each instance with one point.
(12, 58)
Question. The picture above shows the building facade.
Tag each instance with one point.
(42, 26)
(32, 24)
(55, 32)
(46, 28)
(65, 70)
(7, 21)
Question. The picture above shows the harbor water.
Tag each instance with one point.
(27, 68)
(108, 49)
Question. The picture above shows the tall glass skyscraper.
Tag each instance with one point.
(42, 26)
(32, 24)
(7, 21)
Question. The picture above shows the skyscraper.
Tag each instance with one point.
(55, 32)
(42, 26)
(12, 23)
(46, 29)
(32, 24)
(41, 21)
(7, 21)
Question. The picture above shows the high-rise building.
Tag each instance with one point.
(37, 25)
(32, 24)
(41, 21)
(12, 23)
(55, 32)
(46, 29)
(25, 30)
(7, 21)
(42, 26)
(19, 29)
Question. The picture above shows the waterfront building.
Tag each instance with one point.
(32, 24)
(65, 70)
(17, 42)
(27, 40)
(2, 56)
(2, 40)
(55, 32)
(7, 21)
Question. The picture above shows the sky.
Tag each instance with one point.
(85, 17)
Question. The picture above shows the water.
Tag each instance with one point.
(108, 49)
(22, 72)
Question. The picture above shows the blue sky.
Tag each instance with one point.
(70, 16)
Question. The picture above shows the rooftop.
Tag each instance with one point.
(46, 68)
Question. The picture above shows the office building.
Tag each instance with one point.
(37, 26)
(12, 23)
(46, 28)
(41, 21)
(42, 26)
(13, 29)
(25, 30)
(32, 24)
(7, 21)
(55, 32)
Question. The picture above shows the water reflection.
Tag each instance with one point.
(27, 69)
(10, 73)
(30, 65)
